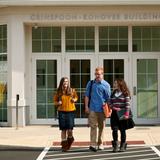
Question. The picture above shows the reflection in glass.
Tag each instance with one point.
(3, 73)
(113, 68)
(147, 88)
(79, 76)
(46, 86)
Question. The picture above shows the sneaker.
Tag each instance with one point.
(91, 148)
(101, 147)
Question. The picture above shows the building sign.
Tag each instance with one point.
(96, 17)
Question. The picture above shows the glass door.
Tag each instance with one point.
(146, 92)
(81, 70)
(46, 76)
(115, 67)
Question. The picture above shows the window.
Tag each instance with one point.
(79, 76)
(46, 80)
(46, 39)
(113, 39)
(79, 39)
(113, 68)
(146, 39)
(3, 73)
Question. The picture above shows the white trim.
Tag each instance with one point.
(5, 3)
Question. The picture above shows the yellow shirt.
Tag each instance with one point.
(2, 88)
(67, 104)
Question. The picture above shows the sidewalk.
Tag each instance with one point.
(45, 135)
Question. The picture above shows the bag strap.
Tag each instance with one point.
(90, 90)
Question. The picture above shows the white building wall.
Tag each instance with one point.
(16, 70)
(20, 20)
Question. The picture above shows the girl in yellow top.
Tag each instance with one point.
(65, 99)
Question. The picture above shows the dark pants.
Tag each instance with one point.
(115, 135)
(116, 125)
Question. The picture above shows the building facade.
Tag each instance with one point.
(41, 41)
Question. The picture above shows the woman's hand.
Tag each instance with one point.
(59, 102)
(116, 108)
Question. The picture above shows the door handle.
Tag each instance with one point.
(134, 90)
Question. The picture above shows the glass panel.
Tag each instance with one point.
(51, 67)
(113, 45)
(123, 32)
(46, 33)
(3, 73)
(146, 45)
(89, 45)
(146, 33)
(113, 32)
(80, 40)
(113, 69)
(146, 39)
(70, 33)
(36, 33)
(70, 45)
(103, 45)
(123, 45)
(137, 45)
(51, 111)
(147, 88)
(80, 33)
(46, 45)
(36, 46)
(51, 81)
(41, 96)
(79, 45)
(56, 45)
(41, 111)
(114, 37)
(46, 86)
(79, 76)
(103, 32)
(56, 33)
(46, 39)
(75, 66)
(156, 45)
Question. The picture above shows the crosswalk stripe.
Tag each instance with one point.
(43, 153)
(156, 150)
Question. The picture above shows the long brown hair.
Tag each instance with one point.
(60, 90)
(123, 87)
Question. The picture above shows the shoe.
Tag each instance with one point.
(70, 141)
(64, 145)
(101, 147)
(115, 146)
(91, 148)
(123, 147)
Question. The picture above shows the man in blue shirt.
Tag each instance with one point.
(96, 95)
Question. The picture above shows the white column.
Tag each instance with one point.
(16, 70)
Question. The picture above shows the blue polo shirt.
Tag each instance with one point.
(100, 93)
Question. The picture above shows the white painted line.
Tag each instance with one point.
(154, 158)
(156, 150)
(43, 153)
(71, 155)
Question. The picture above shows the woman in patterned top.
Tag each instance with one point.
(65, 99)
(120, 99)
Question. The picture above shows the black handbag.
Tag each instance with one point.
(130, 123)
